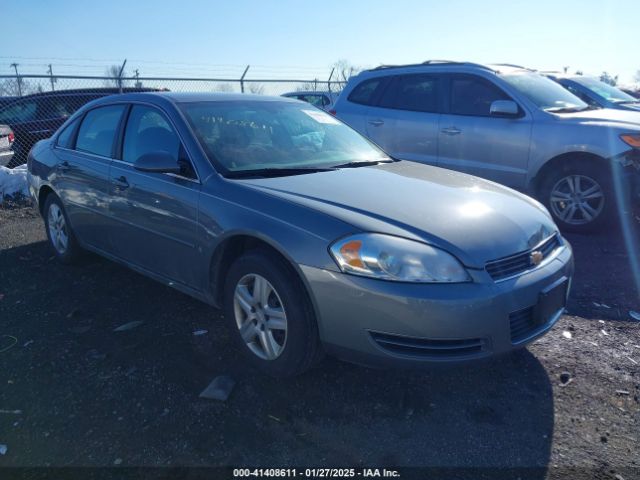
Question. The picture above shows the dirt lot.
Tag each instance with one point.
(76, 393)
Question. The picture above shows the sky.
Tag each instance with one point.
(293, 39)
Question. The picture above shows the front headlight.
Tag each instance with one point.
(393, 258)
(631, 139)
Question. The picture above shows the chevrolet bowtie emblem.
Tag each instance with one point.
(536, 257)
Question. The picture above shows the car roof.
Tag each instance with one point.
(192, 97)
(309, 92)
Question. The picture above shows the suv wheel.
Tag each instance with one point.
(61, 237)
(579, 196)
(267, 306)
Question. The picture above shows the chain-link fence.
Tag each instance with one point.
(34, 106)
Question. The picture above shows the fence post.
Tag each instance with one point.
(329, 80)
(120, 75)
(18, 79)
(242, 79)
(51, 79)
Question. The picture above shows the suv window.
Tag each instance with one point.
(98, 130)
(364, 93)
(18, 112)
(65, 139)
(474, 96)
(148, 131)
(412, 92)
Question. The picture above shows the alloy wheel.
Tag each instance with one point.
(260, 316)
(58, 229)
(577, 199)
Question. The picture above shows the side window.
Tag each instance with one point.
(18, 112)
(98, 130)
(65, 139)
(474, 96)
(53, 107)
(148, 131)
(364, 93)
(412, 92)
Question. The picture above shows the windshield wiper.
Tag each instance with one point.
(568, 109)
(275, 172)
(366, 163)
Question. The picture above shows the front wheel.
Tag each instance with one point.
(267, 306)
(579, 196)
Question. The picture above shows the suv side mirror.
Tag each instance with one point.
(504, 108)
(157, 162)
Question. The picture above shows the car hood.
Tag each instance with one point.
(606, 116)
(474, 219)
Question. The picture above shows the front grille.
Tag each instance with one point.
(520, 262)
(522, 324)
(428, 348)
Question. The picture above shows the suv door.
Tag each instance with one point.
(355, 109)
(473, 141)
(85, 149)
(405, 120)
(156, 213)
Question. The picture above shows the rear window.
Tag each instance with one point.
(412, 92)
(364, 93)
(98, 130)
(65, 139)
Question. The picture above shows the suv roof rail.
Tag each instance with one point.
(513, 65)
(432, 63)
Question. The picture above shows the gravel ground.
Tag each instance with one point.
(77, 394)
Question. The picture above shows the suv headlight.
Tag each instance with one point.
(397, 259)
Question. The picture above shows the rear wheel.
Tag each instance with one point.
(61, 238)
(579, 196)
(268, 308)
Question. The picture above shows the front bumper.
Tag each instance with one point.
(376, 322)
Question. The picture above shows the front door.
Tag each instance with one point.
(156, 213)
(474, 142)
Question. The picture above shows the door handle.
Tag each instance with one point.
(36, 132)
(121, 183)
(376, 123)
(451, 131)
(64, 166)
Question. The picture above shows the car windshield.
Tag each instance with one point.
(544, 92)
(606, 91)
(258, 135)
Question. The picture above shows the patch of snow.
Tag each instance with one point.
(13, 181)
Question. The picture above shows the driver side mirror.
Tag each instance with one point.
(504, 108)
(157, 162)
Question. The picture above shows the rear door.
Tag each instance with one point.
(84, 150)
(354, 109)
(405, 120)
(156, 213)
(473, 141)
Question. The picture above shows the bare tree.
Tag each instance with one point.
(343, 71)
(224, 87)
(10, 88)
(113, 72)
(637, 77)
(609, 79)
(256, 88)
(310, 86)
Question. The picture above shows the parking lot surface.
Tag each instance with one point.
(77, 393)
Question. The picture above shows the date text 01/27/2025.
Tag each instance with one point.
(315, 473)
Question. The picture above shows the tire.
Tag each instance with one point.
(297, 347)
(66, 252)
(591, 212)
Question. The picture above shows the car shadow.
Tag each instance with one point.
(147, 378)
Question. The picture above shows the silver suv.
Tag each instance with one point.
(504, 123)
